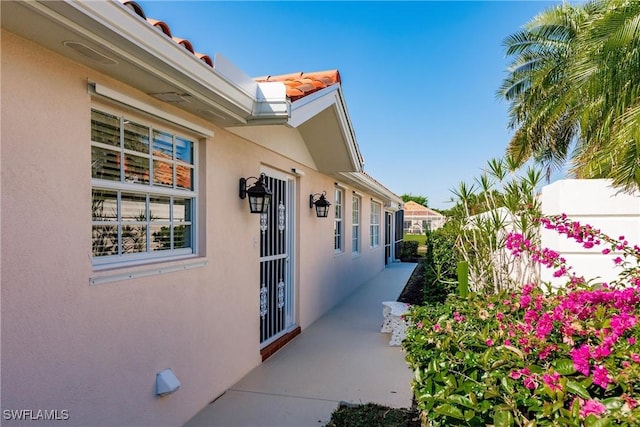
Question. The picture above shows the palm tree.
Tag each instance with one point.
(573, 89)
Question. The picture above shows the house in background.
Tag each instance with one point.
(419, 219)
(127, 249)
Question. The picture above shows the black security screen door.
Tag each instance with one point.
(276, 294)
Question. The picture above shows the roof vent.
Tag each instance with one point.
(89, 52)
(213, 114)
(172, 97)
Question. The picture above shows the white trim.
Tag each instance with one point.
(361, 179)
(331, 97)
(136, 274)
(99, 89)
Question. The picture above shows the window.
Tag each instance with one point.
(143, 192)
(337, 227)
(355, 224)
(374, 231)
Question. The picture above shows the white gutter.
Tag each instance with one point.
(100, 21)
(370, 184)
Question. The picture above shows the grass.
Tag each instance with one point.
(420, 238)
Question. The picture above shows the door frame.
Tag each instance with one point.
(290, 242)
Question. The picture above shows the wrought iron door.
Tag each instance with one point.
(276, 293)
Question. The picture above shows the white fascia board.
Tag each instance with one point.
(183, 70)
(374, 187)
(306, 108)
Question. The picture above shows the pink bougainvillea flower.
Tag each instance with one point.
(591, 407)
(525, 300)
(489, 342)
(601, 376)
(630, 401)
(618, 260)
(437, 327)
(458, 317)
(530, 382)
(552, 381)
(580, 357)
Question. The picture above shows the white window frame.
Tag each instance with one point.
(374, 224)
(147, 192)
(338, 221)
(356, 204)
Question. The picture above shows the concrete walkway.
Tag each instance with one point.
(341, 357)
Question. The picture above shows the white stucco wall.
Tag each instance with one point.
(94, 350)
(596, 203)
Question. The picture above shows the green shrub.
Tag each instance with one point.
(440, 266)
(531, 358)
(409, 250)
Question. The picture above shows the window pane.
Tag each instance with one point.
(159, 209)
(105, 164)
(184, 177)
(136, 169)
(104, 240)
(161, 237)
(105, 128)
(136, 137)
(104, 205)
(181, 236)
(134, 238)
(184, 150)
(134, 207)
(162, 173)
(181, 210)
(162, 145)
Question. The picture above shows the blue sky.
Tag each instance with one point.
(419, 78)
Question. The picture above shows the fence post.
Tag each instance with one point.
(463, 279)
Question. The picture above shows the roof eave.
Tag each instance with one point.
(363, 181)
(223, 94)
(339, 140)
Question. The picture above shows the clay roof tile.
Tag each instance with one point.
(304, 83)
(162, 26)
(206, 58)
(185, 43)
(135, 7)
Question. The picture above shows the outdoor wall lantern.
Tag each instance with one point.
(259, 194)
(321, 204)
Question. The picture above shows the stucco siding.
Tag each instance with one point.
(94, 350)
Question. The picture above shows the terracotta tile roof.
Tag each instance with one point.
(298, 84)
(164, 29)
(302, 84)
(412, 208)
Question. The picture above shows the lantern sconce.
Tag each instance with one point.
(259, 194)
(321, 204)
